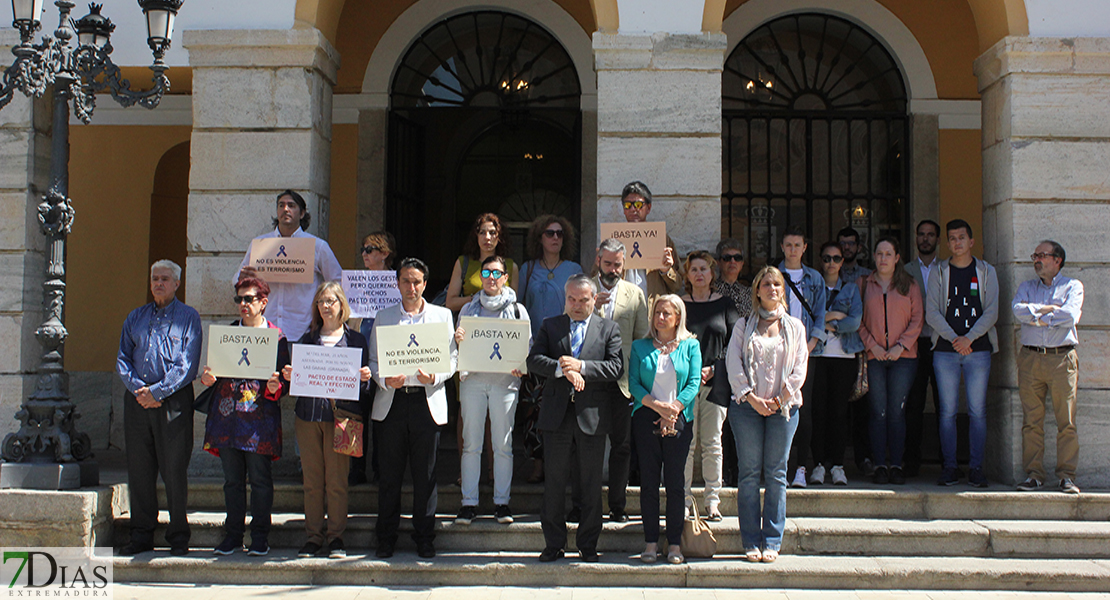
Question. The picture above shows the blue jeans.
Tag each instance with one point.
(976, 369)
(890, 383)
(762, 446)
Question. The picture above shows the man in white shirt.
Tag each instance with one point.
(290, 306)
(928, 234)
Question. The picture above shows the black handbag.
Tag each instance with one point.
(204, 399)
(720, 392)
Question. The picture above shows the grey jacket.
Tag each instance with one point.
(913, 267)
(937, 300)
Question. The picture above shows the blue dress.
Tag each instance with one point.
(542, 289)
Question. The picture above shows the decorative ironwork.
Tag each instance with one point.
(815, 134)
(486, 59)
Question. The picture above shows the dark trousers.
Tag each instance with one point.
(156, 445)
(915, 403)
(557, 469)
(859, 414)
(833, 379)
(728, 445)
(239, 465)
(369, 441)
(620, 457)
(670, 454)
(799, 450)
(407, 435)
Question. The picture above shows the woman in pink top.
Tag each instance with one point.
(892, 319)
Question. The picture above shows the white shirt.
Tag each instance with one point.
(925, 271)
(637, 277)
(607, 309)
(795, 275)
(290, 304)
(665, 386)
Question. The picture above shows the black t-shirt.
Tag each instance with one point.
(964, 307)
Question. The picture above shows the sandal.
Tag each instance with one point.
(674, 556)
(754, 555)
(650, 554)
(713, 515)
(770, 556)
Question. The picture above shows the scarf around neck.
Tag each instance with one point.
(502, 303)
(750, 333)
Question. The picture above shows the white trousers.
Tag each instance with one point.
(708, 420)
(480, 394)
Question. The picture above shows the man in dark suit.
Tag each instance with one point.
(580, 355)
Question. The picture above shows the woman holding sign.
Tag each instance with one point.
(664, 373)
(325, 470)
(492, 393)
(244, 431)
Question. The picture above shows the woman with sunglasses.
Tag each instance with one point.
(324, 469)
(485, 240)
(492, 394)
(244, 431)
(834, 368)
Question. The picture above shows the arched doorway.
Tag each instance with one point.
(484, 117)
(816, 132)
(169, 211)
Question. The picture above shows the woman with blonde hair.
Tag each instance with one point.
(664, 373)
(766, 361)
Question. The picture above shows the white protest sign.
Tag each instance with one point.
(494, 345)
(284, 260)
(370, 291)
(402, 349)
(644, 243)
(325, 372)
(242, 352)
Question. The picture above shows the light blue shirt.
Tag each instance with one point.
(159, 348)
(1056, 328)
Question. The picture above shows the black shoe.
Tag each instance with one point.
(896, 476)
(948, 477)
(179, 550)
(228, 547)
(133, 549)
(881, 476)
(336, 549)
(466, 515)
(1031, 484)
(259, 547)
(574, 515)
(425, 550)
(385, 549)
(976, 478)
(588, 555)
(618, 516)
(551, 554)
(356, 478)
(308, 550)
(502, 513)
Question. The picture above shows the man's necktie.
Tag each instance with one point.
(577, 336)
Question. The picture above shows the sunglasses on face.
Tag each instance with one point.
(637, 204)
(370, 249)
(553, 233)
(732, 258)
(248, 298)
(492, 273)
(832, 258)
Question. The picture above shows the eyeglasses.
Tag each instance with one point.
(370, 249)
(637, 204)
(732, 258)
(493, 274)
(327, 302)
(1041, 256)
(834, 258)
(553, 233)
(248, 298)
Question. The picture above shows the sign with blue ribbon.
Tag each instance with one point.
(242, 352)
(494, 345)
(403, 349)
(284, 260)
(645, 243)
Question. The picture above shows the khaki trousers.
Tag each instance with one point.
(1038, 374)
(325, 475)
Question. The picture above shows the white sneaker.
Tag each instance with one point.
(818, 475)
(838, 476)
(799, 478)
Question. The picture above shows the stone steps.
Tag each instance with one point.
(508, 568)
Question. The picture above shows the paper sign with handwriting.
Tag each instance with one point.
(325, 372)
(644, 243)
(284, 260)
(402, 349)
(370, 291)
(494, 345)
(242, 352)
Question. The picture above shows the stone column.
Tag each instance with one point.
(1046, 147)
(24, 178)
(659, 121)
(262, 115)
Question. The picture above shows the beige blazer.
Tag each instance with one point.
(631, 314)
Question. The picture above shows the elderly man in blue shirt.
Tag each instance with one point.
(1048, 308)
(159, 352)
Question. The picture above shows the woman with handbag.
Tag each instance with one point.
(766, 361)
(324, 469)
(244, 430)
(492, 394)
(664, 373)
(835, 369)
(710, 318)
(892, 320)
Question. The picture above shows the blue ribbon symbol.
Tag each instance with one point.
(281, 251)
(412, 341)
(496, 351)
(245, 359)
(636, 250)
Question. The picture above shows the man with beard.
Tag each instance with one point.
(928, 232)
(849, 241)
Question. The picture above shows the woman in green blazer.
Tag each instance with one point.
(664, 374)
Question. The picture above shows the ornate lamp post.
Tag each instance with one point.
(47, 437)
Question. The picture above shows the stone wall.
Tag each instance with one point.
(1046, 147)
